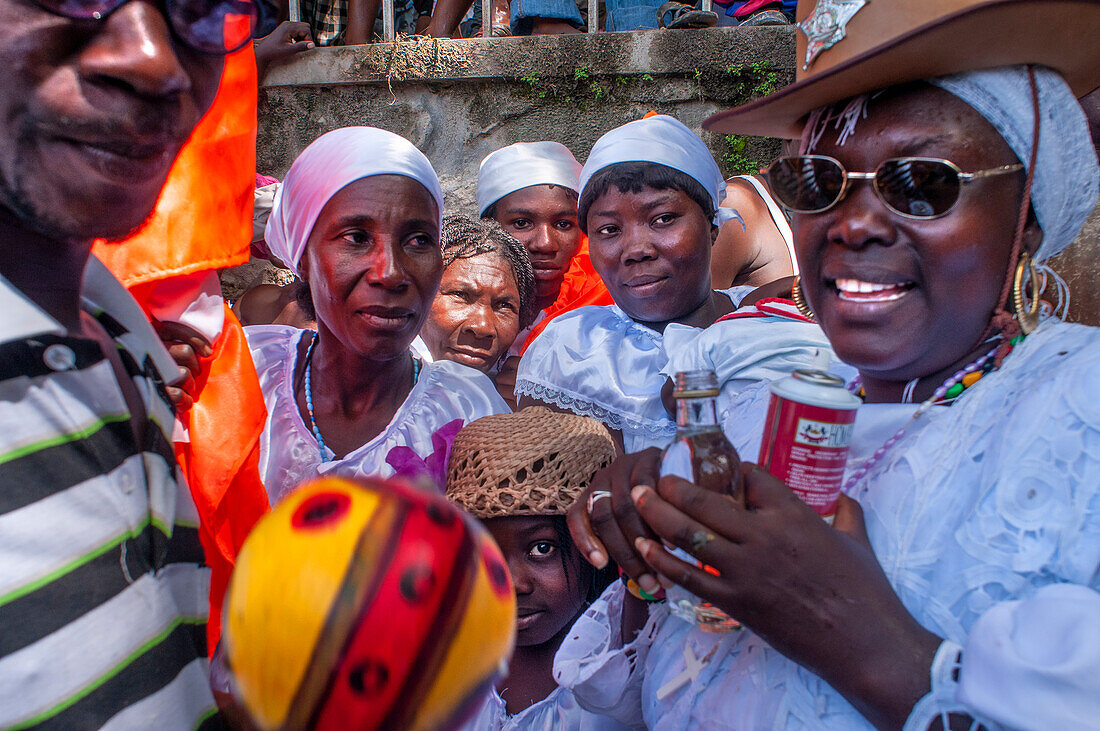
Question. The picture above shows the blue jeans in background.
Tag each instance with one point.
(525, 11)
(632, 14)
(621, 14)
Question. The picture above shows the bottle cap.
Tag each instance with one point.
(695, 384)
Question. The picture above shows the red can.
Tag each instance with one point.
(807, 434)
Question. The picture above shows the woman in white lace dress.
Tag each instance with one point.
(651, 205)
(358, 219)
(965, 590)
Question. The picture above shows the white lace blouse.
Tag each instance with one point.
(556, 712)
(985, 518)
(596, 361)
(289, 453)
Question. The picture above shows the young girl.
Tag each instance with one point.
(519, 473)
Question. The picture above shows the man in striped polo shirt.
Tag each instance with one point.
(103, 591)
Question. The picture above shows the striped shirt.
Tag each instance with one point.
(103, 590)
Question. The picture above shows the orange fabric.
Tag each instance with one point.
(203, 218)
(582, 286)
(221, 461)
(203, 221)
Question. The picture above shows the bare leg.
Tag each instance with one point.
(547, 27)
(445, 19)
(361, 15)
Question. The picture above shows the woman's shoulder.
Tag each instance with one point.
(764, 341)
(1059, 357)
(449, 386)
(271, 345)
(263, 336)
(599, 320)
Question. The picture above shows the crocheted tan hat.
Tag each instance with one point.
(533, 462)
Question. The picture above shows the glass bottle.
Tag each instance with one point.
(701, 453)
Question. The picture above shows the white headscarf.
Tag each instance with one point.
(325, 167)
(522, 165)
(666, 141)
(1067, 179)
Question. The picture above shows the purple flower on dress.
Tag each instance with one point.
(411, 466)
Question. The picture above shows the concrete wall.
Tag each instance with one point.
(460, 100)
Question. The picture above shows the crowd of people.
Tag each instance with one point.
(519, 360)
(352, 22)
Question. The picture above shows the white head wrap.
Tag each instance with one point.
(522, 165)
(1067, 179)
(325, 167)
(666, 141)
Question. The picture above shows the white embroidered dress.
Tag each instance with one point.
(597, 362)
(985, 518)
(289, 453)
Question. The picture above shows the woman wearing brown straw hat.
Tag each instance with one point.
(960, 583)
(519, 473)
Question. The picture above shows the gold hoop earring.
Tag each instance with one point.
(800, 300)
(1027, 313)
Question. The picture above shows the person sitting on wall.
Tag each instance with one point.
(540, 17)
(486, 297)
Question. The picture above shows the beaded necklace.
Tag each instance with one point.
(325, 451)
(946, 393)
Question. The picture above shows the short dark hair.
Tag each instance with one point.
(464, 237)
(491, 211)
(631, 177)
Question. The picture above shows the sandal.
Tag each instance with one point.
(684, 16)
(767, 17)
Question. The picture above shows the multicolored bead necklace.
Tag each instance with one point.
(946, 393)
(327, 454)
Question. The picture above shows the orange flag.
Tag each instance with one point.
(202, 222)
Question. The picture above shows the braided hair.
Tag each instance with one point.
(464, 237)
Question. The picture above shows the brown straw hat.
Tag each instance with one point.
(881, 43)
(533, 462)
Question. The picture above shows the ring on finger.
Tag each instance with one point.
(700, 539)
(596, 496)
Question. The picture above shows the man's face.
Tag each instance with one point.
(92, 114)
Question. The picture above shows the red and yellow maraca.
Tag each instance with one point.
(367, 605)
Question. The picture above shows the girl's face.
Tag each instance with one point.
(547, 575)
(544, 219)
(902, 298)
(652, 250)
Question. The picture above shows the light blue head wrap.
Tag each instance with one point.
(1067, 179)
(667, 141)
